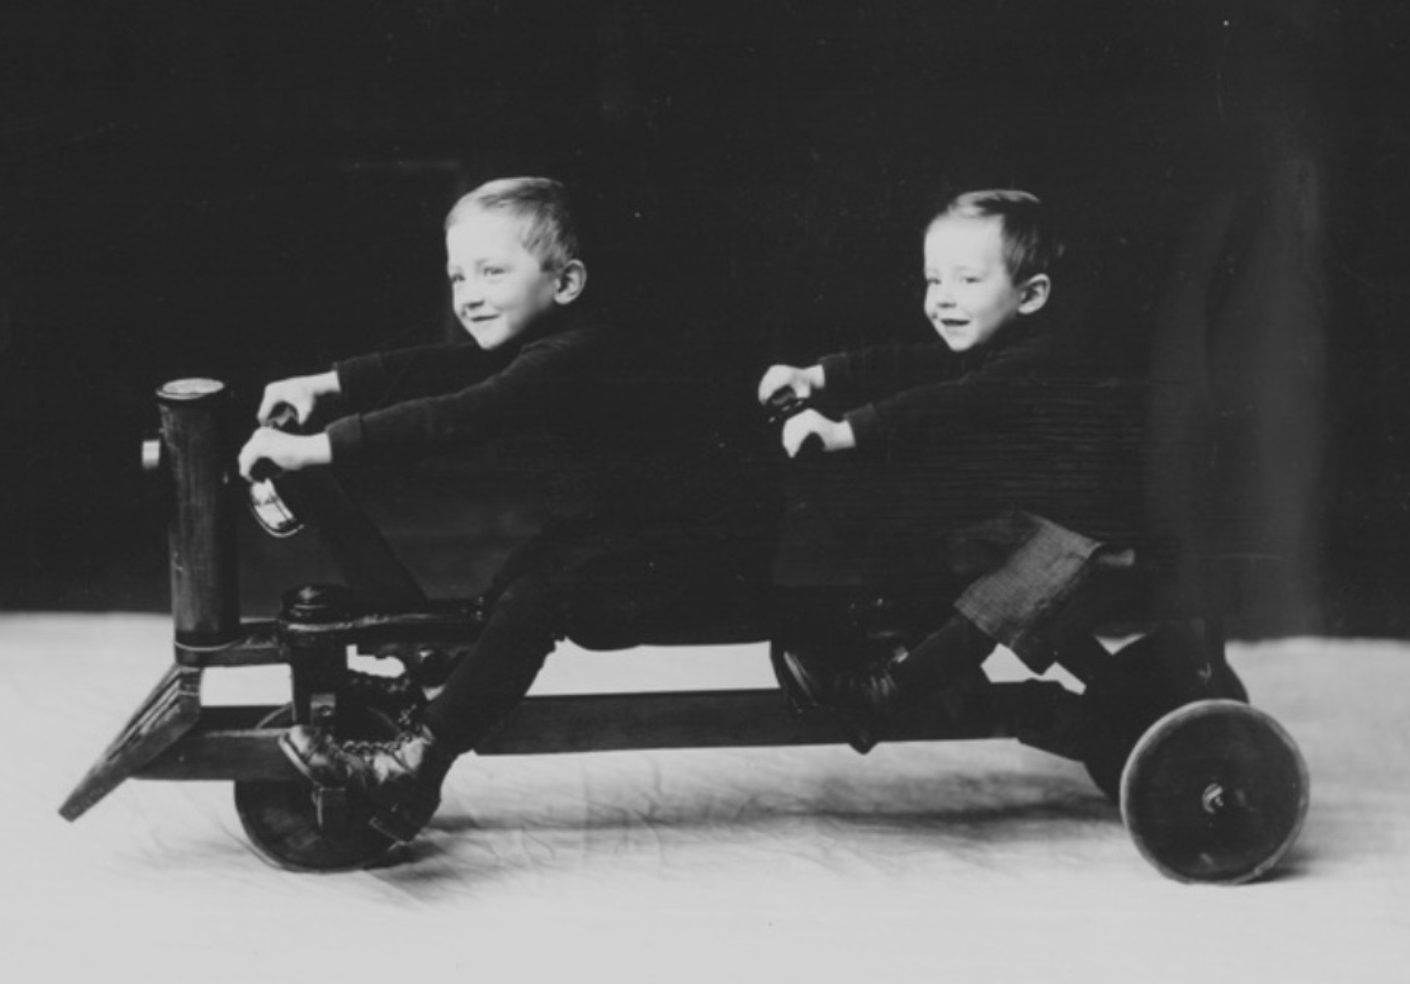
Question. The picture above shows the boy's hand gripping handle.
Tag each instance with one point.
(266, 504)
(785, 404)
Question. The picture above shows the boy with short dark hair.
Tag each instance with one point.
(650, 524)
(989, 261)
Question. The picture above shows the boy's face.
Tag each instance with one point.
(969, 295)
(499, 290)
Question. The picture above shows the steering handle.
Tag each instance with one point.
(283, 417)
(784, 404)
(811, 448)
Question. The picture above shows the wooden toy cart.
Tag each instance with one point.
(1210, 789)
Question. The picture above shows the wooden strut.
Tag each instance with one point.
(228, 743)
(172, 710)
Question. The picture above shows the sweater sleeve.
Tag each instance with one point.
(369, 382)
(544, 381)
(981, 399)
(869, 373)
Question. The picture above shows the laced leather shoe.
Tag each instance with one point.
(870, 689)
(400, 777)
(857, 697)
(865, 696)
(942, 658)
(398, 697)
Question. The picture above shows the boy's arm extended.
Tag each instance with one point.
(870, 373)
(545, 381)
(362, 383)
(981, 399)
(381, 379)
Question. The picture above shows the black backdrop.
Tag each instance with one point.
(252, 189)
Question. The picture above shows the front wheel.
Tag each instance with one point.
(282, 818)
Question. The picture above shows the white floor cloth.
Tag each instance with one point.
(965, 862)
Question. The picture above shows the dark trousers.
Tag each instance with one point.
(608, 585)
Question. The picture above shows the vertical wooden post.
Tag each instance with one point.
(205, 591)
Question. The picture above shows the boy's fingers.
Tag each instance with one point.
(284, 394)
(777, 378)
(246, 462)
(252, 453)
(795, 431)
(273, 400)
(767, 387)
(810, 431)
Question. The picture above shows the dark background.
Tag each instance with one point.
(250, 190)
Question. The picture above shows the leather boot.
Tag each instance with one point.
(908, 675)
(400, 777)
(398, 697)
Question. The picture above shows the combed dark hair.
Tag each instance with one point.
(1031, 245)
(550, 232)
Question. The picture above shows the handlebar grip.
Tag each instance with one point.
(283, 417)
(812, 447)
(784, 404)
(263, 470)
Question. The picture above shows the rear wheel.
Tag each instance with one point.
(1215, 791)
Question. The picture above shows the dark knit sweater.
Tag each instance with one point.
(917, 395)
(584, 417)
(415, 402)
(947, 438)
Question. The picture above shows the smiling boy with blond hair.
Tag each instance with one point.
(658, 522)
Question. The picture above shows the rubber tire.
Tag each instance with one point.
(1172, 772)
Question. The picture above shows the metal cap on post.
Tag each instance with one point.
(205, 595)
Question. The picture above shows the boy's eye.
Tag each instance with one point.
(493, 271)
(456, 278)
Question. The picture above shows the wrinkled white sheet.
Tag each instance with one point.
(945, 862)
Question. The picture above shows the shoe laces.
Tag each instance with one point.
(366, 746)
(371, 683)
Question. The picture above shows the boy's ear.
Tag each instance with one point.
(570, 283)
(1034, 293)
